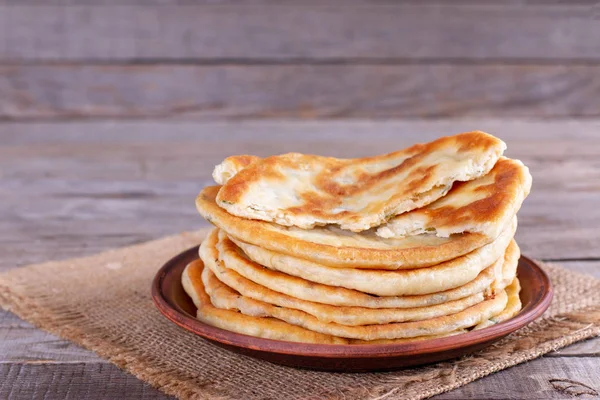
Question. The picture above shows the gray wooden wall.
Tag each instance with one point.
(305, 59)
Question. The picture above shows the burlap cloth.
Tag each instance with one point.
(103, 303)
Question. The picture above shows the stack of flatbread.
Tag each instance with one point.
(410, 245)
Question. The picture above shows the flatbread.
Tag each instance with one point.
(357, 194)
(333, 295)
(512, 308)
(445, 276)
(268, 328)
(484, 205)
(222, 296)
(328, 313)
(338, 248)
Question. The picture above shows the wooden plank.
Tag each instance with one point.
(122, 183)
(72, 381)
(22, 343)
(545, 378)
(334, 31)
(539, 379)
(335, 137)
(587, 348)
(303, 91)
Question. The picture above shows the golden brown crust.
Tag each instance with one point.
(513, 306)
(339, 249)
(286, 273)
(213, 260)
(231, 166)
(508, 177)
(357, 194)
(269, 328)
(225, 297)
(509, 268)
(482, 205)
(339, 296)
(265, 327)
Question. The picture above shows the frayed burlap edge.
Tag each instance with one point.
(535, 340)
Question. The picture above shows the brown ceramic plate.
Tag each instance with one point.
(173, 302)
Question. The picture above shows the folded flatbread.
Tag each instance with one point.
(484, 205)
(357, 194)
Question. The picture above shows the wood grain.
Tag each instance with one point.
(533, 381)
(303, 91)
(103, 381)
(334, 31)
(22, 343)
(220, 59)
(73, 382)
(587, 348)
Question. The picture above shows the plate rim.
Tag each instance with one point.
(528, 314)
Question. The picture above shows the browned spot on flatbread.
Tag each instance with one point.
(241, 182)
(245, 160)
(420, 177)
(467, 142)
(506, 174)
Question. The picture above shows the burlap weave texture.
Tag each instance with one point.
(103, 303)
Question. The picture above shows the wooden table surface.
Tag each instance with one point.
(75, 188)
